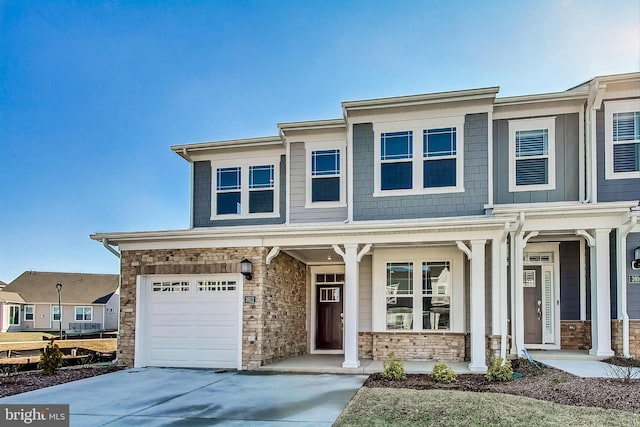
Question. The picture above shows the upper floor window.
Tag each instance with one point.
(532, 154)
(244, 189)
(325, 176)
(438, 170)
(325, 179)
(622, 139)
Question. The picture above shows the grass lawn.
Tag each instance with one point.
(406, 407)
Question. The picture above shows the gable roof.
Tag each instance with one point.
(77, 288)
(10, 297)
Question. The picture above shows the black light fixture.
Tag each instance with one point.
(246, 268)
(635, 264)
(59, 288)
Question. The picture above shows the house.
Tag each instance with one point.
(447, 226)
(89, 302)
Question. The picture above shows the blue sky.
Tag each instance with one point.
(92, 93)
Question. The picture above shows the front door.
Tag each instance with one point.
(329, 317)
(532, 287)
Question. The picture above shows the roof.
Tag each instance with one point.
(77, 288)
(10, 297)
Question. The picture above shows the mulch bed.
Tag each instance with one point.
(545, 384)
(27, 381)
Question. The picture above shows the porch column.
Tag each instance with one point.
(600, 295)
(477, 309)
(351, 259)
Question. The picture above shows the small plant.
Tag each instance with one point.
(559, 380)
(625, 373)
(499, 371)
(8, 370)
(443, 374)
(393, 368)
(50, 359)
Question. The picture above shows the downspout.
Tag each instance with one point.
(621, 248)
(105, 243)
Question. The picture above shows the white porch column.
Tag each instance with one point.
(600, 296)
(351, 259)
(477, 302)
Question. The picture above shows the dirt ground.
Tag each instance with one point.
(545, 384)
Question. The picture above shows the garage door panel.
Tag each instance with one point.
(192, 328)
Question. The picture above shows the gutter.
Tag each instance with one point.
(105, 243)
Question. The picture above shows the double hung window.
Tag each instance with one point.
(83, 313)
(244, 189)
(28, 312)
(532, 154)
(419, 157)
(55, 313)
(325, 176)
(622, 136)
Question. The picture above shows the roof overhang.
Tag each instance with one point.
(187, 150)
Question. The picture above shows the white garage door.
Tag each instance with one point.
(191, 321)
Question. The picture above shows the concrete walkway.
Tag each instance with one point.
(589, 368)
(193, 397)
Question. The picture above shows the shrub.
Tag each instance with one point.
(50, 359)
(499, 371)
(393, 368)
(443, 374)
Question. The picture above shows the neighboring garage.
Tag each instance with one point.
(189, 321)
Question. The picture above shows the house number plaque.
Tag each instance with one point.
(634, 278)
(249, 299)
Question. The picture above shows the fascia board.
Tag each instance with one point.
(576, 95)
(312, 125)
(431, 98)
(216, 145)
(565, 209)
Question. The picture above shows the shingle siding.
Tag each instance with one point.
(203, 191)
(470, 202)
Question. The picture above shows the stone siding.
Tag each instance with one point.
(365, 345)
(634, 338)
(272, 328)
(446, 346)
(575, 335)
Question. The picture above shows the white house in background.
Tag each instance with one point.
(89, 302)
(446, 226)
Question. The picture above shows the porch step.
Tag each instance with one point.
(563, 355)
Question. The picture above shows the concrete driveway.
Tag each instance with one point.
(193, 397)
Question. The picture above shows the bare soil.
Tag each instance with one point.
(545, 384)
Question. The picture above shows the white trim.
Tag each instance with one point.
(310, 147)
(548, 123)
(9, 324)
(349, 161)
(244, 166)
(75, 313)
(490, 158)
(611, 107)
(583, 280)
(33, 312)
(581, 156)
(287, 184)
(417, 159)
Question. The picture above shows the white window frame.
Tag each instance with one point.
(14, 307)
(310, 147)
(75, 313)
(32, 309)
(548, 123)
(611, 107)
(54, 308)
(244, 166)
(417, 256)
(418, 127)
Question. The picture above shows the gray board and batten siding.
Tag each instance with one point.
(611, 190)
(203, 191)
(298, 213)
(470, 202)
(567, 164)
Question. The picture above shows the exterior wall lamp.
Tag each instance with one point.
(246, 268)
(635, 264)
(59, 288)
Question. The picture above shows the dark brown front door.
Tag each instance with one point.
(329, 317)
(532, 282)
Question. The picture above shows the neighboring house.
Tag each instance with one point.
(89, 302)
(391, 230)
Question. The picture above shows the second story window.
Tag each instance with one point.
(532, 154)
(228, 194)
(439, 150)
(261, 189)
(325, 176)
(245, 188)
(622, 139)
(396, 154)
